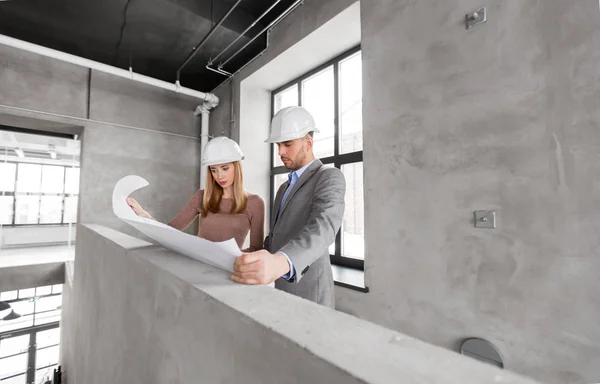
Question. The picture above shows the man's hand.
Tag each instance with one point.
(260, 267)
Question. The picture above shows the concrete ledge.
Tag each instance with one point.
(29, 276)
(147, 315)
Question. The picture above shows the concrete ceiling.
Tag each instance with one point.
(155, 36)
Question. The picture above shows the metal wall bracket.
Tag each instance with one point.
(473, 19)
(485, 219)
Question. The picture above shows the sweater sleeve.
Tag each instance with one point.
(256, 206)
(188, 213)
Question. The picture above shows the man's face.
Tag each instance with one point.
(293, 153)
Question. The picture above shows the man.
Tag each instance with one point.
(306, 216)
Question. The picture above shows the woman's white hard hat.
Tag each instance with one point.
(221, 150)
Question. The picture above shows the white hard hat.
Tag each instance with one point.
(291, 123)
(221, 150)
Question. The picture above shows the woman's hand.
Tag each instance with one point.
(137, 208)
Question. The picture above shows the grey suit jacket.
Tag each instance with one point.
(305, 228)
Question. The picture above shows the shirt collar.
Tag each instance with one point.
(301, 170)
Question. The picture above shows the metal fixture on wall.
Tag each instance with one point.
(475, 18)
(482, 350)
(485, 219)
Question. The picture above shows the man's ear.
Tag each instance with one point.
(309, 141)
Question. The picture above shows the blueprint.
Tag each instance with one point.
(217, 254)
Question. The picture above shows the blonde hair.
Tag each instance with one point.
(213, 193)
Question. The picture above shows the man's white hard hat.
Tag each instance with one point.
(221, 150)
(291, 123)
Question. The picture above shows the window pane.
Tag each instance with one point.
(53, 179)
(72, 181)
(24, 307)
(51, 210)
(9, 295)
(286, 98)
(48, 317)
(353, 234)
(29, 292)
(47, 356)
(41, 291)
(57, 288)
(8, 172)
(49, 303)
(15, 380)
(279, 180)
(44, 374)
(318, 99)
(29, 177)
(70, 209)
(48, 338)
(351, 104)
(27, 209)
(14, 345)
(21, 322)
(6, 209)
(13, 365)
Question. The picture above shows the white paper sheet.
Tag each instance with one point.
(220, 255)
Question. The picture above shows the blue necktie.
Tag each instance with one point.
(292, 178)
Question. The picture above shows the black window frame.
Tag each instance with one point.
(337, 159)
(32, 331)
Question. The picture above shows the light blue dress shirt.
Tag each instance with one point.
(293, 178)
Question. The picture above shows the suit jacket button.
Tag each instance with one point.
(305, 269)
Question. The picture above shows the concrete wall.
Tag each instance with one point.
(147, 315)
(500, 117)
(128, 128)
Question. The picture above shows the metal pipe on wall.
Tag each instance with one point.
(26, 46)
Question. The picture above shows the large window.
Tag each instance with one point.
(29, 345)
(332, 93)
(38, 193)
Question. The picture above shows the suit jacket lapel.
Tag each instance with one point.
(310, 171)
(277, 203)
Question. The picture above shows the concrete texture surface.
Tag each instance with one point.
(28, 80)
(31, 275)
(121, 101)
(147, 315)
(502, 117)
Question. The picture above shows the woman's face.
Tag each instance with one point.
(224, 174)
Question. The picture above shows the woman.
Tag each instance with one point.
(226, 210)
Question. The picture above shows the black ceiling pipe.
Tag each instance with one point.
(271, 25)
(243, 33)
(208, 35)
